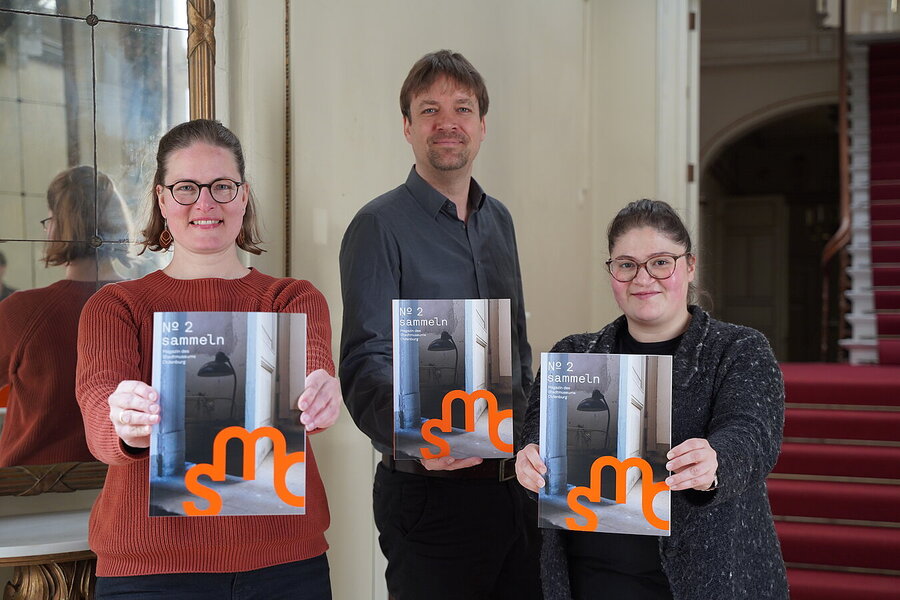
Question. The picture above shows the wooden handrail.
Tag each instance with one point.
(838, 242)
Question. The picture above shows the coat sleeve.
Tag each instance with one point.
(747, 419)
(525, 356)
(370, 280)
(303, 297)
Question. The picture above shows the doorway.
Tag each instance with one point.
(768, 204)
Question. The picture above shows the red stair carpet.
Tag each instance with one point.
(884, 194)
(835, 491)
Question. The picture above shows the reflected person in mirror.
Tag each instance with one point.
(202, 209)
(39, 327)
(727, 421)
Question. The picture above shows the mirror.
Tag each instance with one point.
(86, 89)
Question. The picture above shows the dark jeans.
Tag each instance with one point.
(301, 580)
(456, 539)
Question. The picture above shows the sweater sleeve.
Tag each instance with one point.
(747, 418)
(108, 353)
(302, 297)
(9, 338)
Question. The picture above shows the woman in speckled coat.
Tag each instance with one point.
(728, 416)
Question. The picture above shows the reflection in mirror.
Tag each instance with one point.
(167, 14)
(41, 422)
(67, 8)
(46, 106)
(5, 290)
(39, 327)
(74, 91)
(142, 91)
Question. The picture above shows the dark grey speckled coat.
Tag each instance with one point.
(727, 388)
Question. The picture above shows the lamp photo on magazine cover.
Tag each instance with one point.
(229, 441)
(452, 378)
(605, 432)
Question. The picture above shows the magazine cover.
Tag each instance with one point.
(452, 379)
(229, 441)
(605, 432)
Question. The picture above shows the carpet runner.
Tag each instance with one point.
(884, 193)
(835, 491)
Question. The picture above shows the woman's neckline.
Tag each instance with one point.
(248, 273)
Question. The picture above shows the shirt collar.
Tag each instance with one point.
(432, 200)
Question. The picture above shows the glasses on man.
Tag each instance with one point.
(661, 266)
(187, 192)
(45, 224)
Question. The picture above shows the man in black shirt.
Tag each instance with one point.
(450, 528)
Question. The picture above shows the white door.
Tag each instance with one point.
(477, 349)
(633, 391)
(262, 338)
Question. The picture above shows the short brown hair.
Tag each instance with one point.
(181, 136)
(80, 226)
(443, 63)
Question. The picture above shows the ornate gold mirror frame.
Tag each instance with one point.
(29, 480)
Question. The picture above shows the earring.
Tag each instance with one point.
(165, 238)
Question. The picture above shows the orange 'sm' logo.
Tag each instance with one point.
(592, 493)
(216, 470)
(495, 417)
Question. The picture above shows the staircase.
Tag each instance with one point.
(835, 491)
(884, 210)
(875, 203)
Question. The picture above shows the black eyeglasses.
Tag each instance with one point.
(45, 223)
(187, 192)
(661, 266)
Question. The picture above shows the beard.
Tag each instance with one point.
(444, 159)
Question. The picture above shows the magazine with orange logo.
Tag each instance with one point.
(229, 440)
(452, 379)
(605, 432)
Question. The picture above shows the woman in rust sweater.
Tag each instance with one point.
(39, 327)
(202, 208)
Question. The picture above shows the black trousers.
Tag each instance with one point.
(301, 580)
(614, 565)
(456, 539)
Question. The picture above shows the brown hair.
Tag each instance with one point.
(181, 136)
(660, 216)
(443, 63)
(87, 211)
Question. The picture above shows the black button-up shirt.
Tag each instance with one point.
(410, 243)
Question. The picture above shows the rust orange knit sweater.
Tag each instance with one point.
(114, 344)
(38, 333)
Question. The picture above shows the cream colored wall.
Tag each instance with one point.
(623, 161)
(250, 100)
(571, 136)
